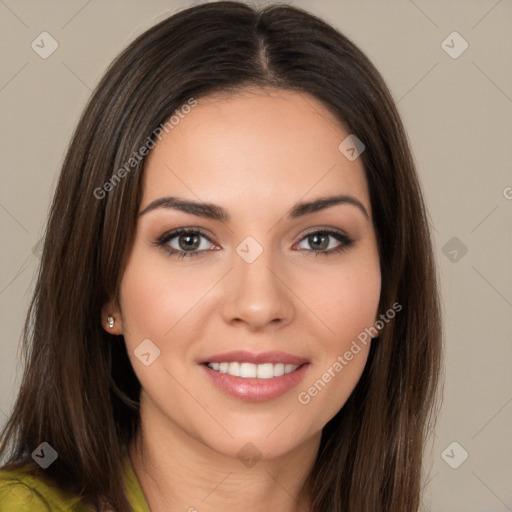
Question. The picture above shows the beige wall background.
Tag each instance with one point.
(456, 104)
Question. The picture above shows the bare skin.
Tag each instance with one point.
(255, 154)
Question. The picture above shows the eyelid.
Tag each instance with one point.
(324, 229)
(172, 233)
(193, 229)
(344, 240)
(340, 235)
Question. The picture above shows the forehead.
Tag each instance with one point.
(251, 147)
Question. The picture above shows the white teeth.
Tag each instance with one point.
(248, 370)
(265, 371)
(289, 368)
(234, 369)
(278, 369)
(251, 371)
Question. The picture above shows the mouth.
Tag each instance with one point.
(247, 370)
(255, 377)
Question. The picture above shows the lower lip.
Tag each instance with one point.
(256, 390)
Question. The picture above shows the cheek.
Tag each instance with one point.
(154, 302)
(154, 299)
(344, 298)
(357, 303)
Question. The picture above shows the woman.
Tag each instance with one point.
(237, 301)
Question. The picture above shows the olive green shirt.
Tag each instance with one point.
(21, 491)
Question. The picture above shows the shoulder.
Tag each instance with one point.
(23, 489)
(19, 492)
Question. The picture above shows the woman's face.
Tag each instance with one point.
(264, 282)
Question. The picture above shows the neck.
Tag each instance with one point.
(178, 471)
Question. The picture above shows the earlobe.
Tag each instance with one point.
(111, 319)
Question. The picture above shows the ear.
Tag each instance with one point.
(112, 309)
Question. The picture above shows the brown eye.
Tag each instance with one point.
(184, 242)
(188, 241)
(319, 242)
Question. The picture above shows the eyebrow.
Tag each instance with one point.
(215, 212)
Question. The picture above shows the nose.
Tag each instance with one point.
(257, 294)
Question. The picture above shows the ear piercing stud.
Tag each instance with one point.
(110, 321)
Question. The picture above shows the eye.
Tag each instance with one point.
(184, 242)
(320, 244)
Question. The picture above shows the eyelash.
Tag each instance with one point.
(163, 240)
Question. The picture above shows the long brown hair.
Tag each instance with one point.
(79, 392)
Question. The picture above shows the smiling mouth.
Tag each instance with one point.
(253, 371)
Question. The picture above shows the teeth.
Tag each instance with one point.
(278, 369)
(289, 368)
(234, 369)
(250, 370)
(265, 371)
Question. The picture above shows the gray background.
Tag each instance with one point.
(457, 112)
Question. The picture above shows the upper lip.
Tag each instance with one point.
(273, 357)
